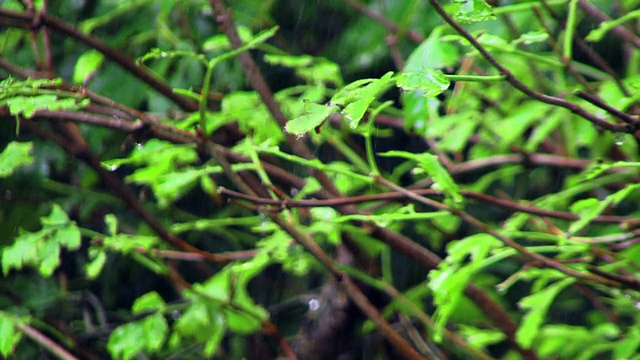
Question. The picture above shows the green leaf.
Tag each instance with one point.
(252, 116)
(441, 177)
(87, 65)
(532, 37)
(95, 266)
(431, 82)
(15, 155)
(9, 335)
(481, 338)
(126, 341)
(151, 301)
(553, 341)
(221, 42)
(538, 304)
(28, 105)
(588, 209)
(451, 277)
(48, 257)
(357, 97)
(111, 221)
(194, 321)
(155, 331)
(148, 334)
(628, 347)
(433, 53)
(41, 249)
(470, 11)
(606, 26)
(242, 323)
(312, 70)
(511, 128)
(156, 53)
(215, 337)
(354, 112)
(462, 124)
(315, 115)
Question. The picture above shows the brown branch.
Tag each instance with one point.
(46, 343)
(104, 121)
(337, 202)
(629, 119)
(189, 256)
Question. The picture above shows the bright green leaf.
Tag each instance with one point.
(532, 37)
(87, 65)
(41, 249)
(451, 277)
(127, 340)
(28, 105)
(314, 116)
(588, 209)
(93, 268)
(433, 53)
(151, 301)
(15, 155)
(470, 11)
(9, 335)
(155, 331)
(431, 165)
(538, 304)
(431, 82)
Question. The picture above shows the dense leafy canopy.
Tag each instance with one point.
(315, 179)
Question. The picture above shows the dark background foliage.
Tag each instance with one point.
(192, 270)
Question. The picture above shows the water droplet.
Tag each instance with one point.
(113, 167)
(314, 304)
(263, 220)
(382, 221)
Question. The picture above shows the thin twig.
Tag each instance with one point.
(336, 202)
(46, 343)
